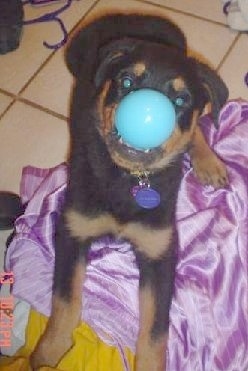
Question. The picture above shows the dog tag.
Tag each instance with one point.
(147, 198)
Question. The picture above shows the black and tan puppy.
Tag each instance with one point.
(109, 58)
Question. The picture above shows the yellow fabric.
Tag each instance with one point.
(89, 353)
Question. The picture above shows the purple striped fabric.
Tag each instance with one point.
(209, 313)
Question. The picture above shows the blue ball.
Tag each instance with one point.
(145, 119)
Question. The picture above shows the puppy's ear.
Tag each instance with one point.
(80, 53)
(110, 55)
(86, 52)
(215, 90)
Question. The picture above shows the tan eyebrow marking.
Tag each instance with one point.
(178, 84)
(139, 68)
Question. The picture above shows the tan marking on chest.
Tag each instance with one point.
(82, 227)
(151, 242)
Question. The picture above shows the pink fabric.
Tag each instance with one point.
(209, 313)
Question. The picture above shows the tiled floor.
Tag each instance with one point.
(35, 85)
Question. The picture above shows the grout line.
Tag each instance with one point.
(47, 60)
(5, 92)
(229, 50)
(43, 64)
(41, 108)
(17, 98)
(6, 109)
(10, 95)
(148, 2)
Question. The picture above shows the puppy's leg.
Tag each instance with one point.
(66, 302)
(207, 166)
(156, 289)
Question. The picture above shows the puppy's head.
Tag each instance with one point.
(189, 85)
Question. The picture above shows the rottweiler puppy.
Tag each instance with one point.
(109, 58)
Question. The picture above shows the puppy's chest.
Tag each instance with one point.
(132, 199)
(141, 199)
(111, 209)
(147, 239)
(127, 198)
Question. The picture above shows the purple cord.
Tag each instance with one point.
(246, 79)
(41, 2)
(225, 7)
(49, 17)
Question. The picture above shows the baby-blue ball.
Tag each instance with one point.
(145, 119)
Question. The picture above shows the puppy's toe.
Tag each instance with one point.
(211, 171)
(49, 351)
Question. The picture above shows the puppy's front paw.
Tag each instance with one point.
(210, 170)
(150, 354)
(49, 351)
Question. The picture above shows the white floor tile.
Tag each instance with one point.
(211, 9)
(29, 137)
(51, 87)
(235, 68)
(207, 39)
(18, 66)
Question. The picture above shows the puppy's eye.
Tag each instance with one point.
(179, 101)
(126, 82)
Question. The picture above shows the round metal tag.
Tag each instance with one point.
(147, 198)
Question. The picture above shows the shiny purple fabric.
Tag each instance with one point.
(209, 313)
